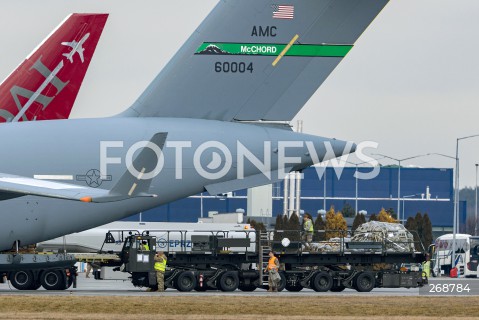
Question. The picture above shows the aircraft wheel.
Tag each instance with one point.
(22, 280)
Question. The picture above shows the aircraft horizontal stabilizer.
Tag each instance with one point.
(129, 186)
(23, 186)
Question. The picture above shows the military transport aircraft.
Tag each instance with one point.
(45, 85)
(214, 119)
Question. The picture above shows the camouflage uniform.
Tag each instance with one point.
(272, 268)
(160, 279)
(160, 263)
(308, 230)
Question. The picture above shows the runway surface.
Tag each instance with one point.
(92, 287)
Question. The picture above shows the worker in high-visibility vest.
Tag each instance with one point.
(426, 267)
(160, 267)
(308, 231)
(145, 246)
(273, 275)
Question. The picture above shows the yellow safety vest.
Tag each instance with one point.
(426, 268)
(146, 247)
(161, 266)
(308, 226)
(271, 264)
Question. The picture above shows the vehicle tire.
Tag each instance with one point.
(22, 280)
(337, 288)
(229, 281)
(186, 281)
(52, 280)
(247, 288)
(322, 282)
(282, 283)
(293, 288)
(365, 282)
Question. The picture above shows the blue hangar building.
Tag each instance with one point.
(424, 190)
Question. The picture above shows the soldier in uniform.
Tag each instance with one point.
(160, 267)
(145, 246)
(273, 276)
(308, 230)
(426, 267)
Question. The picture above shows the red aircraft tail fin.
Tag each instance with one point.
(46, 84)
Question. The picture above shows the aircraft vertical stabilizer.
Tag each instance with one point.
(256, 59)
(45, 85)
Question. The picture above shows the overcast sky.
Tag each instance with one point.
(411, 83)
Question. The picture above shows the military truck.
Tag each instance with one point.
(334, 265)
(30, 270)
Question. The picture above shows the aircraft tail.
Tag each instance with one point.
(45, 85)
(256, 60)
(134, 181)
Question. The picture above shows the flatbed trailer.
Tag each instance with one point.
(30, 271)
(211, 265)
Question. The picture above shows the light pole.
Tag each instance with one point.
(201, 204)
(356, 176)
(455, 227)
(456, 205)
(456, 201)
(475, 216)
(324, 189)
(399, 174)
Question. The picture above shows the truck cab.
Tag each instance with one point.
(138, 253)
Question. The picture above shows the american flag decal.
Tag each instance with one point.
(281, 11)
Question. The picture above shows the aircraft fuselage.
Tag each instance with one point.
(198, 154)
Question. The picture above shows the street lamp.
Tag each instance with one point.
(456, 206)
(324, 188)
(455, 228)
(456, 211)
(356, 176)
(399, 174)
(475, 216)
